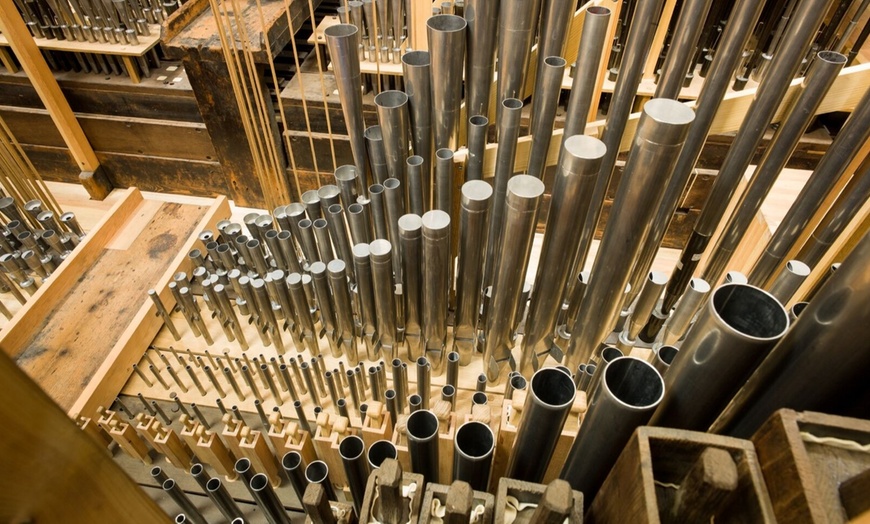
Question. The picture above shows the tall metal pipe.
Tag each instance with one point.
(336, 273)
(395, 204)
(640, 311)
(221, 498)
(343, 43)
(327, 310)
(267, 500)
(660, 135)
(516, 32)
(789, 280)
(801, 112)
(689, 304)
(824, 337)
(392, 107)
(365, 290)
(579, 163)
(411, 238)
(508, 132)
(380, 451)
(436, 285)
(556, 16)
(422, 433)
(416, 73)
(478, 126)
(338, 232)
(446, 36)
(443, 181)
(854, 133)
(353, 458)
(473, 449)
(294, 468)
(734, 332)
(381, 255)
(377, 154)
(417, 203)
(358, 220)
(473, 214)
(524, 195)
(170, 487)
(544, 105)
(348, 179)
(629, 392)
(482, 19)
(684, 43)
(545, 410)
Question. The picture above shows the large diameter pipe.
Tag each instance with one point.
(545, 410)
(473, 215)
(629, 392)
(385, 297)
(353, 458)
(579, 163)
(824, 337)
(734, 332)
(473, 449)
(802, 111)
(478, 126)
(684, 43)
(392, 107)
(343, 43)
(411, 238)
(482, 19)
(446, 37)
(660, 135)
(849, 140)
(436, 285)
(544, 105)
(422, 433)
(294, 468)
(524, 195)
(516, 31)
(416, 73)
(377, 154)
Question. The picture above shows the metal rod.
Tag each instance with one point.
(267, 500)
(378, 208)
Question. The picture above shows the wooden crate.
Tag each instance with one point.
(529, 493)
(439, 492)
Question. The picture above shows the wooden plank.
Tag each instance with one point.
(420, 11)
(74, 46)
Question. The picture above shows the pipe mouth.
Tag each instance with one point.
(448, 390)
(479, 398)
(667, 354)
(446, 23)
(436, 220)
(598, 11)
(390, 394)
(168, 485)
(310, 197)
(346, 173)
(750, 311)
(610, 353)
(590, 369)
(238, 520)
(797, 268)
(291, 460)
(336, 266)
(320, 223)
(374, 133)
(293, 209)
(329, 191)
(474, 440)
(242, 466)
(633, 382)
(798, 308)
(658, 278)
(181, 518)
(294, 279)
(553, 388)
(512, 103)
(453, 357)
(340, 31)
(380, 249)
(317, 268)
(259, 482)
(381, 451)
(415, 400)
(519, 382)
(391, 99)
(263, 221)
(376, 189)
(444, 154)
(354, 209)
(156, 471)
(414, 161)
(213, 485)
(304, 223)
(416, 58)
(351, 448)
(700, 285)
(360, 251)
(196, 470)
(317, 472)
(270, 234)
(555, 61)
(832, 57)
(392, 183)
(422, 362)
(478, 121)
(422, 425)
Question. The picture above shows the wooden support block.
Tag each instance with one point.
(555, 505)
(855, 494)
(211, 450)
(96, 183)
(188, 431)
(317, 506)
(93, 429)
(389, 498)
(707, 486)
(253, 446)
(126, 437)
(441, 493)
(174, 448)
(460, 503)
(529, 496)
(232, 435)
(326, 441)
(373, 431)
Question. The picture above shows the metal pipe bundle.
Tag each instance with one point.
(524, 195)
(410, 236)
(380, 252)
(443, 181)
(446, 36)
(353, 458)
(546, 408)
(416, 73)
(680, 53)
(473, 214)
(343, 43)
(660, 135)
(815, 86)
(422, 433)
(478, 126)
(474, 446)
(629, 392)
(579, 163)
(267, 500)
(824, 337)
(377, 155)
(516, 31)
(854, 133)
(393, 117)
(482, 19)
(734, 332)
(544, 105)
(436, 285)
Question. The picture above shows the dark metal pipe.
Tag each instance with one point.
(353, 457)
(422, 432)
(474, 447)
(218, 494)
(478, 127)
(683, 45)
(380, 451)
(318, 473)
(294, 467)
(187, 507)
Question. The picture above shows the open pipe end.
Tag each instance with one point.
(552, 387)
(750, 311)
(381, 451)
(634, 383)
(317, 472)
(391, 99)
(474, 440)
(351, 448)
(446, 23)
(340, 31)
(416, 58)
(422, 425)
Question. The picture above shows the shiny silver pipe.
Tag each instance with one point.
(547, 405)
(410, 236)
(336, 273)
(436, 285)
(735, 331)
(338, 233)
(416, 73)
(482, 19)
(660, 135)
(365, 290)
(516, 32)
(221, 498)
(473, 215)
(343, 42)
(380, 451)
(685, 311)
(544, 104)
(629, 392)
(417, 203)
(605, 356)
(392, 107)
(348, 179)
(359, 223)
(308, 242)
(446, 37)
(183, 501)
(556, 16)
(318, 473)
(854, 133)
(294, 468)
(321, 234)
(422, 432)
(378, 208)
(397, 17)
(851, 199)
(381, 253)
(424, 381)
(328, 322)
(640, 34)
(267, 500)
(505, 158)
(663, 357)
(524, 195)
(642, 308)
(377, 153)
(478, 126)
(473, 449)
(443, 199)
(585, 379)
(789, 280)
(586, 67)
(823, 338)
(683, 47)
(352, 450)
(330, 194)
(579, 163)
(303, 314)
(800, 113)
(395, 206)
(514, 382)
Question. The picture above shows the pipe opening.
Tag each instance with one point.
(213, 484)
(391, 99)
(597, 10)
(444, 154)
(414, 161)
(610, 353)
(667, 354)
(446, 23)
(448, 390)
(478, 121)
(340, 30)
(181, 518)
(310, 197)
(453, 357)
(797, 268)
(750, 311)
(381, 451)
(798, 308)
(519, 382)
(346, 173)
(242, 465)
(700, 285)
(316, 472)
(156, 471)
(351, 448)
(832, 56)
(479, 398)
(512, 103)
(416, 58)
(259, 482)
(168, 485)
(475, 440)
(633, 382)
(320, 223)
(376, 189)
(329, 191)
(555, 61)
(422, 424)
(553, 387)
(196, 469)
(390, 394)
(415, 400)
(392, 183)
(564, 370)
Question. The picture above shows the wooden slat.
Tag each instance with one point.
(74, 46)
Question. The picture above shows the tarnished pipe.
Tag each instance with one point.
(474, 447)
(436, 285)
(663, 357)
(443, 181)
(586, 67)
(556, 16)
(416, 73)
(446, 36)
(684, 42)
(789, 280)
(381, 255)
(643, 306)
(347, 178)
(377, 154)
(516, 32)
(395, 123)
(410, 236)
(221, 498)
(544, 105)
(482, 19)
(478, 126)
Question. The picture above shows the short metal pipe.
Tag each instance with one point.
(473, 449)
(422, 433)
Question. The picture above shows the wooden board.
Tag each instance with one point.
(74, 46)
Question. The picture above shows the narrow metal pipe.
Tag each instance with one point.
(380, 451)
(378, 211)
(436, 285)
(338, 234)
(789, 280)
(660, 135)
(685, 311)
(318, 473)
(555, 19)
(546, 408)
(347, 177)
(443, 199)
(353, 458)
(221, 498)
(544, 104)
(324, 243)
(328, 324)
(642, 308)
(478, 127)
(684, 42)
(579, 163)
(395, 206)
(377, 155)
(381, 253)
(629, 393)
(267, 500)
(516, 32)
(446, 37)
(474, 447)
(411, 239)
(336, 273)
(604, 357)
(294, 467)
(417, 203)
(416, 73)
(482, 19)
(392, 107)
(735, 331)
(183, 501)
(359, 224)
(663, 357)
(423, 381)
(365, 289)
(303, 315)
(422, 431)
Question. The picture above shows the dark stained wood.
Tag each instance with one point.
(182, 17)
(709, 483)
(855, 494)
(96, 183)
(530, 492)
(317, 505)
(555, 505)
